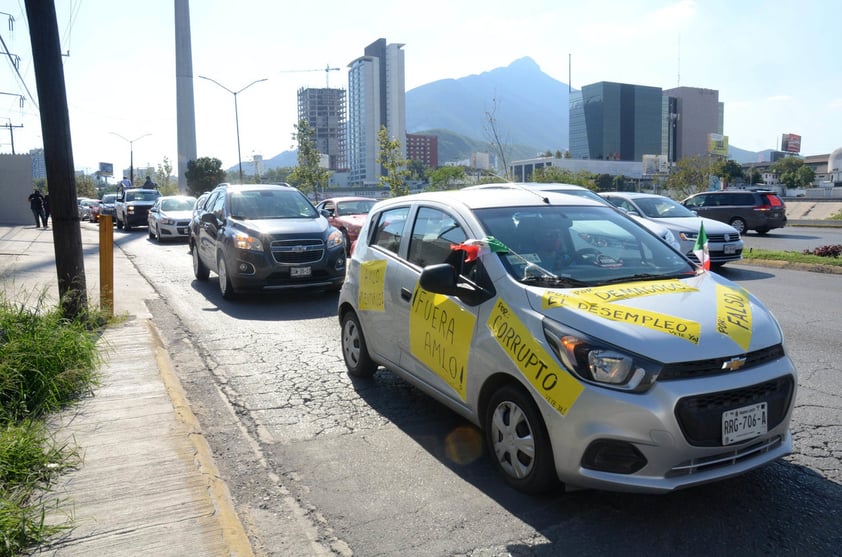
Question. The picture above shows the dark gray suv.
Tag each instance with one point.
(758, 210)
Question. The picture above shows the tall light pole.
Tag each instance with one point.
(131, 152)
(236, 115)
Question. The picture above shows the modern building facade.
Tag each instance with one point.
(616, 122)
(424, 148)
(699, 113)
(376, 99)
(624, 122)
(324, 111)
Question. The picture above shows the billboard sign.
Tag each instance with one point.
(106, 169)
(655, 164)
(791, 143)
(718, 144)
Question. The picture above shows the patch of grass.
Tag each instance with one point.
(791, 256)
(46, 363)
(837, 216)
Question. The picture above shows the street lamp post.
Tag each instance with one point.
(131, 152)
(236, 115)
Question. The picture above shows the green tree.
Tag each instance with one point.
(754, 177)
(277, 175)
(390, 158)
(308, 176)
(445, 177)
(727, 170)
(162, 178)
(690, 176)
(554, 174)
(792, 172)
(203, 174)
(499, 144)
(417, 170)
(86, 187)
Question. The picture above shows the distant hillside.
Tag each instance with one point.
(530, 108)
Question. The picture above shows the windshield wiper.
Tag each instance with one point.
(647, 276)
(553, 280)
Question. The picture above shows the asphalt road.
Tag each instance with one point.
(317, 462)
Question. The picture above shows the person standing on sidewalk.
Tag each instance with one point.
(36, 203)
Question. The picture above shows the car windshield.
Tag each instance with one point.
(109, 198)
(271, 204)
(573, 246)
(181, 204)
(358, 207)
(142, 196)
(662, 208)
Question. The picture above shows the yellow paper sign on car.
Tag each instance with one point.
(440, 333)
(675, 326)
(613, 293)
(733, 315)
(372, 285)
(557, 386)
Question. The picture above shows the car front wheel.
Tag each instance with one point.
(354, 348)
(225, 286)
(200, 270)
(518, 440)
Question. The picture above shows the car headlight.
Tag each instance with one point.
(598, 362)
(335, 239)
(167, 220)
(247, 242)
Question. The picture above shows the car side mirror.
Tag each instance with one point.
(443, 279)
(439, 279)
(325, 213)
(209, 218)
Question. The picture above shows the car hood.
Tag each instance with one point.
(354, 220)
(177, 215)
(271, 227)
(692, 224)
(668, 320)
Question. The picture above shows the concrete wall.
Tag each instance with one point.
(16, 185)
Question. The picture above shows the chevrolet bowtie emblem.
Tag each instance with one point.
(734, 363)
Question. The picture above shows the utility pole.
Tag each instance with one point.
(12, 133)
(58, 156)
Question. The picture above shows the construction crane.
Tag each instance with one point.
(327, 69)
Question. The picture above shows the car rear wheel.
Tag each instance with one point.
(739, 224)
(354, 348)
(200, 270)
(225, 286)
(518, 440)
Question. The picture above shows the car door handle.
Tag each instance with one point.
(406, 294)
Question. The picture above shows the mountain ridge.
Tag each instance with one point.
(528, 106)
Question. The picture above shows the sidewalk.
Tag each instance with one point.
(147, 484)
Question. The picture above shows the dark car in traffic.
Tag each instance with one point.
(131, 208)
(758, 210)
(262, 237)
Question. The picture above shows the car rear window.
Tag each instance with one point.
(772, 199)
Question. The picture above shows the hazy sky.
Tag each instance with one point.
(776, 64)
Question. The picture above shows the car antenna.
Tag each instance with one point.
(521, 185)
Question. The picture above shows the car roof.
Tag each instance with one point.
(480, 198)
(348, 198)
(255, 187)
(630, 194)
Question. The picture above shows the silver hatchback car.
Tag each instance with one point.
(589, 351)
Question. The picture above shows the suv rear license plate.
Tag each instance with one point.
(300, 272)
(744, 423)
(729, 249)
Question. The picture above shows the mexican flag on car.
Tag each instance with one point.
(700, 250)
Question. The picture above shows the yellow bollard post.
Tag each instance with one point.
(106, 265)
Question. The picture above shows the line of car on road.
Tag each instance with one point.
(577, 331)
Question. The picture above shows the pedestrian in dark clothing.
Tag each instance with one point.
(149, 183)
(46, 209)
(36, 203)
